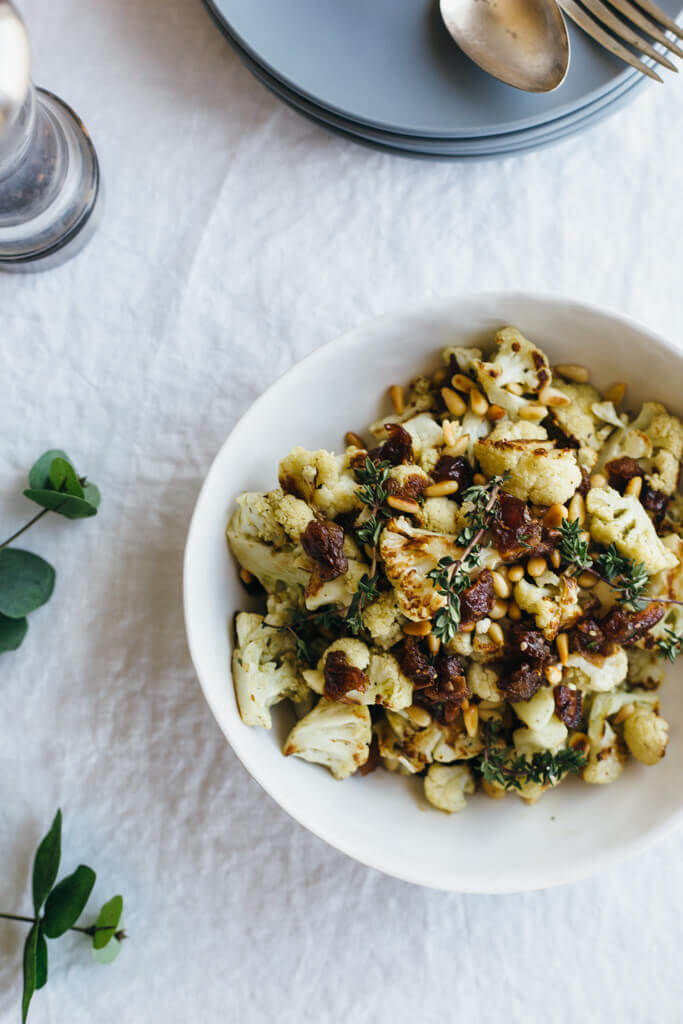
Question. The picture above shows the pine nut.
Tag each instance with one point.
(433, 643)
(553, 674)
(634, 486)
(421, 628)
(499, 610)
(579, 741)
(562, 644)
(478, 403)
(440, 490)
(577, 509)
(353, 440)
(397, 399)
(501, 587)
(514, 388)
(439, 376)
(554, 516)
(479, 479)
(551, 396)
(555, 559)
(536, 566)
(587, 580)
(598, 480)
(496, 634)
(465, 704)
(515, 573)
(449, 434)
(245, 576)
(471, 719)
(495, 412)
(420, 717)
(534, 413)
(462, 383)
(459, 445)
(514, 611)
(572, 371)
(624, 713)
(615, 392)
(403, 505)
(454, 402)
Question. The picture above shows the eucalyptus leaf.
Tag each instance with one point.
(65, 504)
(39, 477)
(66, 901)
(30, 969)
(26, 582)
(12, 633)
(92, 495)
(41, 960)
(63, 477)
(107, 922)
(108, 953)
(46, 863)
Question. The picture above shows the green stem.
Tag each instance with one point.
(23, 530)
(34, 920)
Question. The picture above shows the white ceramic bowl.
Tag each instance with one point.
(383, 820)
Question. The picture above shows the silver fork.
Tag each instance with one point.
(653, 26)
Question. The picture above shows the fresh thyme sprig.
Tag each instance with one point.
(451, 575)
(302, 623)
(56, 909)
(670, 645)
(373, 493)
(629, 579)
(499, 764)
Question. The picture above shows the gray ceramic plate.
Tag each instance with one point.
(391, 65)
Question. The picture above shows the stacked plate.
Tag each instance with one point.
(386, 73)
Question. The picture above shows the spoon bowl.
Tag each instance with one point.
(524, 43)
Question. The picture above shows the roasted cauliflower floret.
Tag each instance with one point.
(537, 712)
(578, 421)
(447, 785)
(552, 600)
(466, 358)
(519, 430)
(483, 681)
(419, 398)
(264, 669)
(338, 591)
(456, 744)
(332, 734)
(595, 673)
(539, 472)
(321, 478)
(646, 734)
(282, 604)
(408, 478)
(415, 745)
(552, 736)
(441, 515)
(409, 555)
(645, 669)
(383, 619)
(622, 520)
(517, 361)
(607, 752)
(385, 682)
(655, 438)
(669, 584)
(263, 534)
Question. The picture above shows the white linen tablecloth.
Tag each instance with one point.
(238, 237)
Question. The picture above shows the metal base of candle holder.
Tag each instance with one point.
(56, 225)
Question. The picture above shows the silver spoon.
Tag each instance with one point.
(522, 42)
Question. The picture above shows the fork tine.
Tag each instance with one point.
(620, 28)
(658, 14)
(638, 18)
(598, 33)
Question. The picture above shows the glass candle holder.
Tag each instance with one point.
(49, 174)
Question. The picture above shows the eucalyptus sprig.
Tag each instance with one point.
(56, 909)
(499, 764)
(26, 580)
(451, 575)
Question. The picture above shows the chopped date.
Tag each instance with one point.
(341, 677)
(528, 643)
(478, 599)
(621, 470)
(568, 705)
(410, 489)
(515, 532)
(397, 448)
(454, 467)
(624, 627)
(587, 636)
(415, 664)
(522, 683)
(323, 541)
(445, 697)
(655, 502)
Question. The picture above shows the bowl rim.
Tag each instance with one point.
(561, 874)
